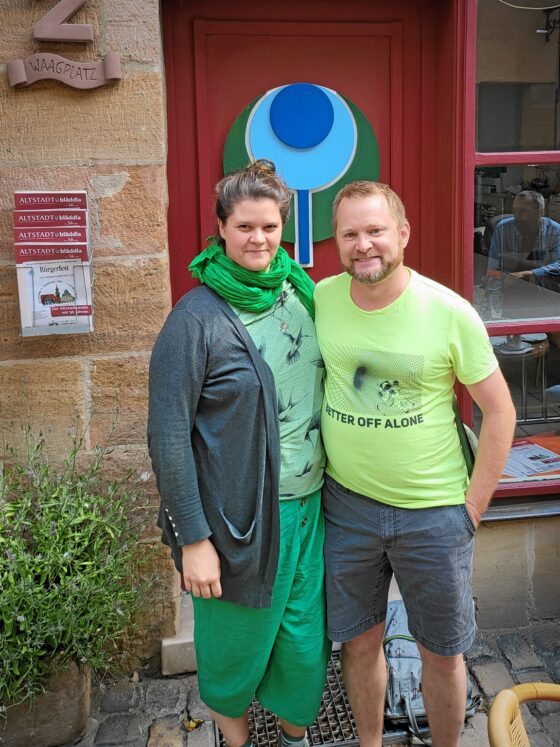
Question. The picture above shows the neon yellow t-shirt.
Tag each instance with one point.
(387, 421)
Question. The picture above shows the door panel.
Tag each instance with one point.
(215, 67)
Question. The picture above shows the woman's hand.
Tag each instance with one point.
(201, 569)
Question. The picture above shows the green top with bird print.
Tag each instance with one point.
(285, 337)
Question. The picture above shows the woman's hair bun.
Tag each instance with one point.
(262, 166)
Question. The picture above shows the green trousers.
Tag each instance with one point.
(278, 654)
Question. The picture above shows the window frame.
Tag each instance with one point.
(472, 160)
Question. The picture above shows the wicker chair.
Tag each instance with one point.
(505, 725)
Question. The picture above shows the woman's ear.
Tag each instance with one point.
(221, 228)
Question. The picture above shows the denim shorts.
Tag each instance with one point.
(430, 551)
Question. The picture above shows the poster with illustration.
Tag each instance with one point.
(55, 297)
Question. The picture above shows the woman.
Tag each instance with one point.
(235, 398)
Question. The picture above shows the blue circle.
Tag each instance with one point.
(301, 115)
(308, 168)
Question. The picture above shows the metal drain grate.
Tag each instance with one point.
(334, 725)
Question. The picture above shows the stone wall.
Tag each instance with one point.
(110, 141)
(516, 572)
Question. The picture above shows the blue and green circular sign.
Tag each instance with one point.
(319, 141)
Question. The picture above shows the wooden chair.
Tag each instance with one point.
(505, 724)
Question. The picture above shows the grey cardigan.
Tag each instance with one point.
(214, 442)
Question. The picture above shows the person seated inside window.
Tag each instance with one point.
(527, 244)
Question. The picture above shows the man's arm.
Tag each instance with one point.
(553, 250)
(498, 424)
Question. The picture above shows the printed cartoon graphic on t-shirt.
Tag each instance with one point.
(374, 382)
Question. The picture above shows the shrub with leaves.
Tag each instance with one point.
(69, 562)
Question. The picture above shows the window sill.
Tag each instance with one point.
(522, 509)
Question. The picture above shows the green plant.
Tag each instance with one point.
(69, 561)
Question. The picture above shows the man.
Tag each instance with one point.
(396, 494)
(527, 244)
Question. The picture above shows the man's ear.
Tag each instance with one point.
(405, 233)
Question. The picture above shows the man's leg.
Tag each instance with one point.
(433, 567)
(444, 688)
(365, 678)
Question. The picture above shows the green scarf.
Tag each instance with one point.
(248, 290)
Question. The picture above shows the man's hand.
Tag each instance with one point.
(201, 569)
(523, 274)
(474, 512)
(498, 423)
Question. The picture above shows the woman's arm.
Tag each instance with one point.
(177, 373)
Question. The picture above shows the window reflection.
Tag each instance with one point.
(517, 79)
(517, 243)
(531, 366)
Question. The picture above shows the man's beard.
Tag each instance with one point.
(371, 278)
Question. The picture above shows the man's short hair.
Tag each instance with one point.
(363, 189)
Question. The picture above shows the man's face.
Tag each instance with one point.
(527, 215)
(370, 243)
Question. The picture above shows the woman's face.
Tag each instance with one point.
(252, 233)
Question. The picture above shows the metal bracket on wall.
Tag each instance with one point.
(550, 24)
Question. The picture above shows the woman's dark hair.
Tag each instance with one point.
(257, 181)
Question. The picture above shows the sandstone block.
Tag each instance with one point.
(133, 219)
(58, 716)
(127, 204)
(9, 310)
(547, 561)
(46, 123)
(133, 30)
(119, 398)
(48, 395)
(501, 577)
(131, 301)
(158, 617)
(16, 41)
(178, 654)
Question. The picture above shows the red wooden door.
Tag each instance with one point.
(220, 55)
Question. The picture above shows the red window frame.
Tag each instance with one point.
(471, 160)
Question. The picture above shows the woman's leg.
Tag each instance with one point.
(293, 683)
(235, 730)
(296, 732)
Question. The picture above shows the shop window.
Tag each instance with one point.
(516, 239)
(517, 243)
(517, 79)
(517, 294)
(530, 363)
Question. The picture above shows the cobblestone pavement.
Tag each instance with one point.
(161, 712)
